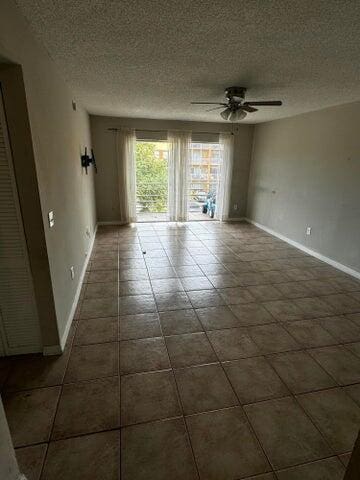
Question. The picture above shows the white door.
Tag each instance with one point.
(19, 323)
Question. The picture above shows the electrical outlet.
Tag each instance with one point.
(72, 272)
(235, 206)
(308, 231)
(51, 219)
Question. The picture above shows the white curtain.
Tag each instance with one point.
(226, 141)
(126, 144)
(178, 164)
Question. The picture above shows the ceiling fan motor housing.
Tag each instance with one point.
(236, 94)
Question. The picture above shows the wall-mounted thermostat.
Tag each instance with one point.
(51, 219)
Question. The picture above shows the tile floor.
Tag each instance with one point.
(199, 351)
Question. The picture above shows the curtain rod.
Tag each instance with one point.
(113, 129)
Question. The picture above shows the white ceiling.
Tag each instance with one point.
(151, 58)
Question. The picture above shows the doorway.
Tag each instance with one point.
(205, 171)
(151, 159)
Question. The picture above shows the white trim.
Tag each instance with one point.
(58, 349)
(315, 254)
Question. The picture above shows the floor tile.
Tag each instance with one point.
(298, 274)
(30, 414)
(143, 355)
(224, 280)
(140, 325)
(216, 317)
(180, 321)
(204, 388)
(103, 276)
(159, 450)
(354, 348)
(327, 469)
(338, 362)
(300, 372)
(135, 287)
(31, 459)
(263, 293)
(36, 371)
(265, 476)
(293, 289)
(157, 262)
(232, 343)
(133, 274)
(196, 283)
(84, 458)
(167, 285)
(96, 330)
(99, 307)
(172, 301)
(136, 304)
(272, 338)
(355, 295)
(354, 317)
(345, 458)
(188, 271)
(92, 361)
(214, 269)
(251, 314)
(354, 392)
(224, 446)
(189, 349)
(205, 298)
(87, 407)
(236, 295)
(341, 328)
(345, 284)
(309, 333)
(103, 264)
(282, 422)
(342, 303)
(250, 278)
(148, 396)
(285, 310)
(314, 307)
(161, 272)
(101, 290)
(320, 287)
(336, 415)
(254, 380)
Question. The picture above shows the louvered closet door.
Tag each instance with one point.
(19, 324)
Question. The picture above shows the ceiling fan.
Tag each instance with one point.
(236, 108)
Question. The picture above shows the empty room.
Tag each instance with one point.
(179, 240)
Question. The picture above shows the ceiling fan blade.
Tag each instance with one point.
(270, 103)
(208, 103)
(215, 108)
(248, 108)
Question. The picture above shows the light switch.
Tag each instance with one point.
(51, 219)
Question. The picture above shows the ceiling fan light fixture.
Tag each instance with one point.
(225, 113)
(237, 115)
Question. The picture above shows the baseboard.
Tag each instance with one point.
(314, 253)
(58, 349)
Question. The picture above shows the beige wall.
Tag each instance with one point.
(107, 198)
(59, 136)
(305, 171)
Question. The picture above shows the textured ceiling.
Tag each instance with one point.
(151, 58)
